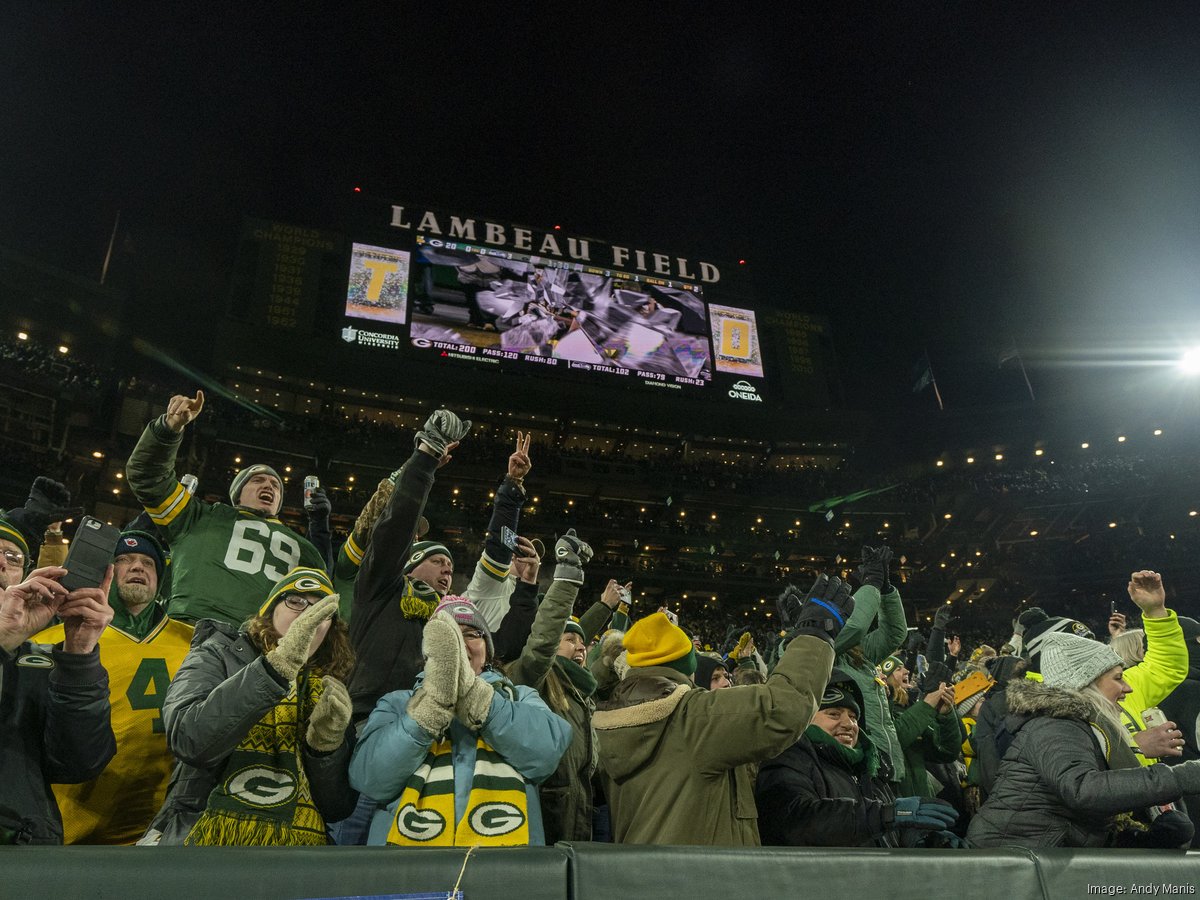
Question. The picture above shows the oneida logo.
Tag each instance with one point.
(744, 390)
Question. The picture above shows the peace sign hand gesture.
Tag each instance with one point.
(519, 463)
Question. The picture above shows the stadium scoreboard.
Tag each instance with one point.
(424, 287)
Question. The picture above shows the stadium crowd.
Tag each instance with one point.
(211, 675)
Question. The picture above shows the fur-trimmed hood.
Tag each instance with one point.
(633, 723)
(1030, 699)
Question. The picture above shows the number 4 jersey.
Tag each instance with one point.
(116, 807)
(224, 561)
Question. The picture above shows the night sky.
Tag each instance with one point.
(926, 174)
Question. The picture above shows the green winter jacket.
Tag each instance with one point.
(877, 644)
(676, 759)
(566, 796)
(925, 736)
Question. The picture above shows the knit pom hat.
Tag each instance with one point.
(968, 691)
(654, 641)
(422, 550)
(240, 479)
(10, 532)
(300, 580)
(464, 612)
(1041, 628)
(1073, 662)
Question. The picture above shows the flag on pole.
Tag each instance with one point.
(923, 377)
(1008, 356)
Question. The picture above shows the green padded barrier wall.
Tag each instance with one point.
(1097, 873)
(246, 873)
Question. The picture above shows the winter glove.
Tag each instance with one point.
(824, 612)
(941, 618)
(442, 429)
(874, 568)
(474, 703)
(291, 653)
(318, 507)
(571, 555)
(329, 718)
(917, 812)
(48, 502)
(445, 652)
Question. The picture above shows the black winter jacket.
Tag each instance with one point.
(54, 727)
(1054, 787)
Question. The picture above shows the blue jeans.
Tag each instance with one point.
(352, 831)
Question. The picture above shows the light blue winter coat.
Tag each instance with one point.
(392, 746)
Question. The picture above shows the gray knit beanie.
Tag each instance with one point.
(1074, 662)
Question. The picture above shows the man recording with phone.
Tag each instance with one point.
(56, 723)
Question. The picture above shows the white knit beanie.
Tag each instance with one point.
(1074, 662)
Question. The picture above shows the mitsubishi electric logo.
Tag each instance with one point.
(744, 390)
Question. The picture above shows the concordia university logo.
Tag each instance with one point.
(744, 390)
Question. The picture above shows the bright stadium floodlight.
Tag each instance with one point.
(1189, 363)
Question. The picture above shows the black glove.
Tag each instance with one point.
(318, 507)
(49, 502)
(914, 642)
(941, 618)
(874, 568)
(824, 611)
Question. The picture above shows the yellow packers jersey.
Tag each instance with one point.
(116, 807)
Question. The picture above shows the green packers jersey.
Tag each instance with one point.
(116, 807)
(224, 561)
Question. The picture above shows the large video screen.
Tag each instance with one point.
(735, 341)
(492, 303)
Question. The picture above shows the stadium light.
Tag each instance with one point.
(22, 336)
(1189, 363)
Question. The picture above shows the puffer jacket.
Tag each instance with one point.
(222, 689)
(54, 727)
(1055, 787)
(810, 796)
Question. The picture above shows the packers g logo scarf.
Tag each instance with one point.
(263, 798)
(496, 816)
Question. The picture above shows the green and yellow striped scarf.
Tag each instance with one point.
(496, 815)
(263, 798)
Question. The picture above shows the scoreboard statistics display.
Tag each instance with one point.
(477, 291)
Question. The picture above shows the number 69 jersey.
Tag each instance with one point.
(224, 561)
(116, 807)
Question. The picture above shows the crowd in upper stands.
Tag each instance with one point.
(233, 679)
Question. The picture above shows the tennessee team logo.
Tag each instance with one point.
(495, 819)
(262, 786)
(419, 824)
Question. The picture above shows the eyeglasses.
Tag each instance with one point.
(474, 635)
(301, 602)
(16, 557)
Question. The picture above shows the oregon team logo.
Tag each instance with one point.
(495, 819)
(419, 824)
(35, 661)
(262, 786)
